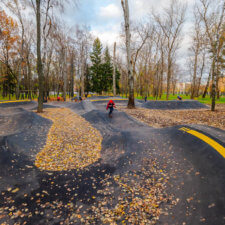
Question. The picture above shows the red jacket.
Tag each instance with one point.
(110, 104)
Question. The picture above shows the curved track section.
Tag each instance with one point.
(196, 171)
(169, 105)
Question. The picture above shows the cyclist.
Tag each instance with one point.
(111, 105)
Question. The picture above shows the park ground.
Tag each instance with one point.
(74, 165)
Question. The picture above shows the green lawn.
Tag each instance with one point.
(13, 98)
(206, 100)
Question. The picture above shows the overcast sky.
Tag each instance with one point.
(104, 17)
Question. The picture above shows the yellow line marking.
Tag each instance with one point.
(219, 148)
(15, 101)
(98, 100)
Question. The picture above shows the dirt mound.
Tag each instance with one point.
(173, 105)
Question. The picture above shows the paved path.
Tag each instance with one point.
(196, 169)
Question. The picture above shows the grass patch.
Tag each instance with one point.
(206, 100)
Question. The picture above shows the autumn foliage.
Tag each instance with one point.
(9, 42)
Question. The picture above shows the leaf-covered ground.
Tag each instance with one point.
(75, 184)
(136, 197)
(72, 142)
(167, 118)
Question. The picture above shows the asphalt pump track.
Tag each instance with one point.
(196, 169)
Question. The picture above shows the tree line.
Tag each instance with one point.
(153, 50)
(51, 57)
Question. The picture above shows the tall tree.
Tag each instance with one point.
(8, 51)
(96, 68)
(72, 56)
(114, 69)
(107, 72)
(39, 60)
(213, 26)
(87, 80)
(16, 8)
(125, 7)
(196, 48)
(171, 25)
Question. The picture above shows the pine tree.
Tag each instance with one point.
(87, 80)
(117, 81)
(96, 68)
(107, 69)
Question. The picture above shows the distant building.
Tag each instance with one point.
(222, 85)
(183, 88)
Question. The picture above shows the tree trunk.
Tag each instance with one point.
(213, 86)
(64, 73)
(82, 69)
(207, 85)
(193, 88)
(39, 62)
(20, 66)
(168, 78)
(114, 70)
(161, 74)
(125, 6)
(29, 76)
(18, 83)
(217, 79)
(201, 75)
(47, 70)
(217, 88)
(72, 74)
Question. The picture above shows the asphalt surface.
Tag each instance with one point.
(172, 105)
(196, 170)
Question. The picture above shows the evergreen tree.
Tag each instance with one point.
(117, 81)
(87, 80)
(96, 68)
(107, 69)
(100, 75)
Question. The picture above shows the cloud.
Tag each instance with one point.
(110, 11)
(107, 36)
(105, 18)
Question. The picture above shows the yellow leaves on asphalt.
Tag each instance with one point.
(140, 199)
(15, 190)
(167, 118)
(72, 143)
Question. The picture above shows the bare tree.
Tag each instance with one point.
(141, 33)
(125, 7)
(37, 6)
(213, 22)
(15, 7)
(39, 60)
(171, 25)
(196, 48)
(83, 39)
(114, 70)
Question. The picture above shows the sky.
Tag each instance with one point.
(104, 17)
